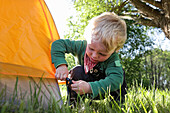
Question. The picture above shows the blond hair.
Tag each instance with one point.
(109, 29)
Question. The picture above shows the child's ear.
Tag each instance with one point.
(117, 50)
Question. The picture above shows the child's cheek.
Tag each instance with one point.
(103, 58)
(88, 52)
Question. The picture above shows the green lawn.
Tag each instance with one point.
(138, 100)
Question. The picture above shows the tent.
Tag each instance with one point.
(27, 30)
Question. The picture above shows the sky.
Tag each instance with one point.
(161, 41)
(62, 9)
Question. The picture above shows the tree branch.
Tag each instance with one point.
(145, 9)
(119, 6)
(122, 5)
(154, 3)
(146, 22)
(139, 20)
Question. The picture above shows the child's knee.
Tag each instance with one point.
(77, 73)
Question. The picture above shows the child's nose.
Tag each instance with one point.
(94, 55)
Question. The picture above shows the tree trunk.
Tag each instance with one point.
(146, 71)
(152, 73)
(166, 20)
(159, 16)
(155, 66)
(159, 74)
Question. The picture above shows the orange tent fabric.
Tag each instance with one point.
(27, 30)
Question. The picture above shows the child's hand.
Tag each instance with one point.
(61, 72)
(81, 87)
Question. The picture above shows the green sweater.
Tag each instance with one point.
(111, 67)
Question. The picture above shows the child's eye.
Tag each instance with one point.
(102, 54)
(91, 48)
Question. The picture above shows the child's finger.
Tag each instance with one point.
(63, 77)
(58, 76)
(73, 81)
(75, 89)
(74, 85)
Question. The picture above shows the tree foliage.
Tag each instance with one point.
(157, 68)
(152, 68)
(137, 46)
(155, 13)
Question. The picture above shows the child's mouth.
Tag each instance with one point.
(95, 61)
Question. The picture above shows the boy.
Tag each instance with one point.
(100, 68)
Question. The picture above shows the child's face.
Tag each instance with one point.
(97, 52)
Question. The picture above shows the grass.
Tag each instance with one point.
(137, 100)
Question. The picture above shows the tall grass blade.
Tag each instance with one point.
(3, 109)
(143, 106)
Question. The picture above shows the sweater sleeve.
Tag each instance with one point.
(112, 82)
(62, 46)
